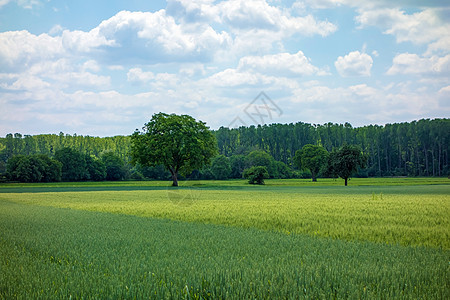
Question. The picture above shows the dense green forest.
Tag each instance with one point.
(418, 148)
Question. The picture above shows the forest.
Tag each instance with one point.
(417, 148)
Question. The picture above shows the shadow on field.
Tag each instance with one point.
(81, 189)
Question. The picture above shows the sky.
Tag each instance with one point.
(103, 68)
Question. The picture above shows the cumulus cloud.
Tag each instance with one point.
(210, 58)
(280, 69)
(242, 15)
(354, 64)
(281, 64)
(137, 75)
(233, 78)
(157, 37)
(327, 4)
(421, 27)
(407, 63)
(26, 83)
(193, 11)
(21, 49)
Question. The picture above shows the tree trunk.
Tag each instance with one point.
(174, 177)
(345, 181)
(379, 160)
(425, 153)
(313, 175)
(439, 160)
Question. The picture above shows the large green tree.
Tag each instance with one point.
(311, 157)
(178, 142)
(346, 161)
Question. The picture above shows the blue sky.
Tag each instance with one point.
(103, 68)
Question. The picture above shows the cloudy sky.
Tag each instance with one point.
(105, 67)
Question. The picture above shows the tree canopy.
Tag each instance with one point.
(33, 168)
(178, 142)
(311, 157)
(346, 161)
(256, 174)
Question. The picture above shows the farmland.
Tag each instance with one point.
(377, 238)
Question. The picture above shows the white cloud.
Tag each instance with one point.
(419, 28)
(79, 41)
(26, 83)
(61, 73)
(4, 2)
(193, 11)
(210, 58)
(441, 46)
(258, 14)
(365, 104)
(91, 65)
(327, 4)
(281, 64)
(248, 23)
(232, 78)
(445, 90)
(56, 30)
(158, 37)
(21, 49)
(137, 75)
(354, 64)
(407, 63)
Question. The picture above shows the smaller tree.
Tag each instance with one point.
(311, 157)
(115, 167)
(238, 165)
(51, 168)
(96, 168)
(262, 158)
(256, 174)
(73, 164)
(33, 168)
(346, 161)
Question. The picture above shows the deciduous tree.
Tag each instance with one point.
(178, 142)
(256, 174)
(346, 161)
(311, 157)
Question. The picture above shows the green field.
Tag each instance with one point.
(377, 238)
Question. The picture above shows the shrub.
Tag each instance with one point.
(256, 175)
(33, 168)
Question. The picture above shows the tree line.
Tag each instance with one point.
(418, 148)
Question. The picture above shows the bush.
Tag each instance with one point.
(33, 168)
(256, 175)
(115, 166)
